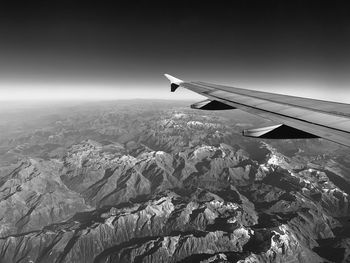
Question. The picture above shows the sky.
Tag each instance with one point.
(97, 50)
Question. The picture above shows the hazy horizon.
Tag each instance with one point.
(87, 92)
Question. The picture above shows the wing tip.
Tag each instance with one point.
(173, 80)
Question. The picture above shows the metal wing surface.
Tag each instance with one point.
(296, 117)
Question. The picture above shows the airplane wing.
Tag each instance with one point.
(296, 117)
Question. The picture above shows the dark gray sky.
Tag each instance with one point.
(70, 50)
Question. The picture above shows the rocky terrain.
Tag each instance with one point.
(154, 181)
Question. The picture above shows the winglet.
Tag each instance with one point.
(174, 82)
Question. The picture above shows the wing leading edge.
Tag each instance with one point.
(297, 117)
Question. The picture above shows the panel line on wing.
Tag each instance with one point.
(287, 116)
(323, 106)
